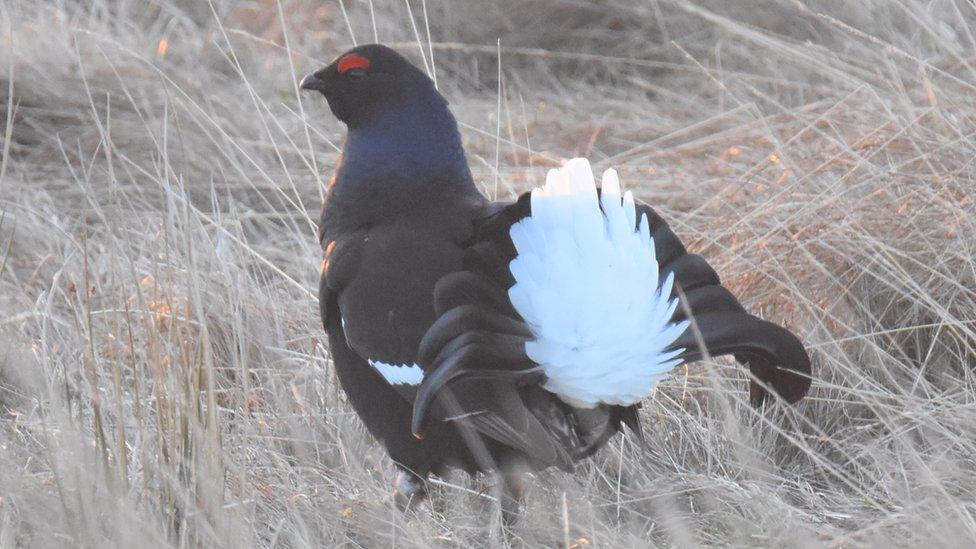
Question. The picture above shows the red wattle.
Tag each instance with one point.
(353, 61)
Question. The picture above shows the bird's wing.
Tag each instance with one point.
(570, 289)
(373, 353)
(376, 297)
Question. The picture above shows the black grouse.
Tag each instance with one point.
(499, 336)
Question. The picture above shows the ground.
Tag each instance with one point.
(164, 380)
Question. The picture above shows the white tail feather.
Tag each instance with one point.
(586, 282)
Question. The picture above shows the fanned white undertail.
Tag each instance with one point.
(586, 283)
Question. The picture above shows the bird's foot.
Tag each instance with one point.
(410, 490)
(512, 510)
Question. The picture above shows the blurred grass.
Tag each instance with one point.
(163, 375)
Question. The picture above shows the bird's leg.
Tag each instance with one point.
(410, 490)
(514, 487)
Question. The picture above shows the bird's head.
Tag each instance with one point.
(365, 80)
(400, 126)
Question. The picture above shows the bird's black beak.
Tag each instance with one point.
(312, 82)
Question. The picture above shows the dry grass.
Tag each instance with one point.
(163, 376)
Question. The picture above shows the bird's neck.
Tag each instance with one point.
(408, 163)
(406, 145)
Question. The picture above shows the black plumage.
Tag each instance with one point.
(417, 273)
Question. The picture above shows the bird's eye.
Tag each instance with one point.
(355, 74)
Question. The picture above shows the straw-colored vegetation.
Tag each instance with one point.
(164, 380)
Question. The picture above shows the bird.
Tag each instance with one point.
(504, 337)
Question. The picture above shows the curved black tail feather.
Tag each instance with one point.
(774, 355)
